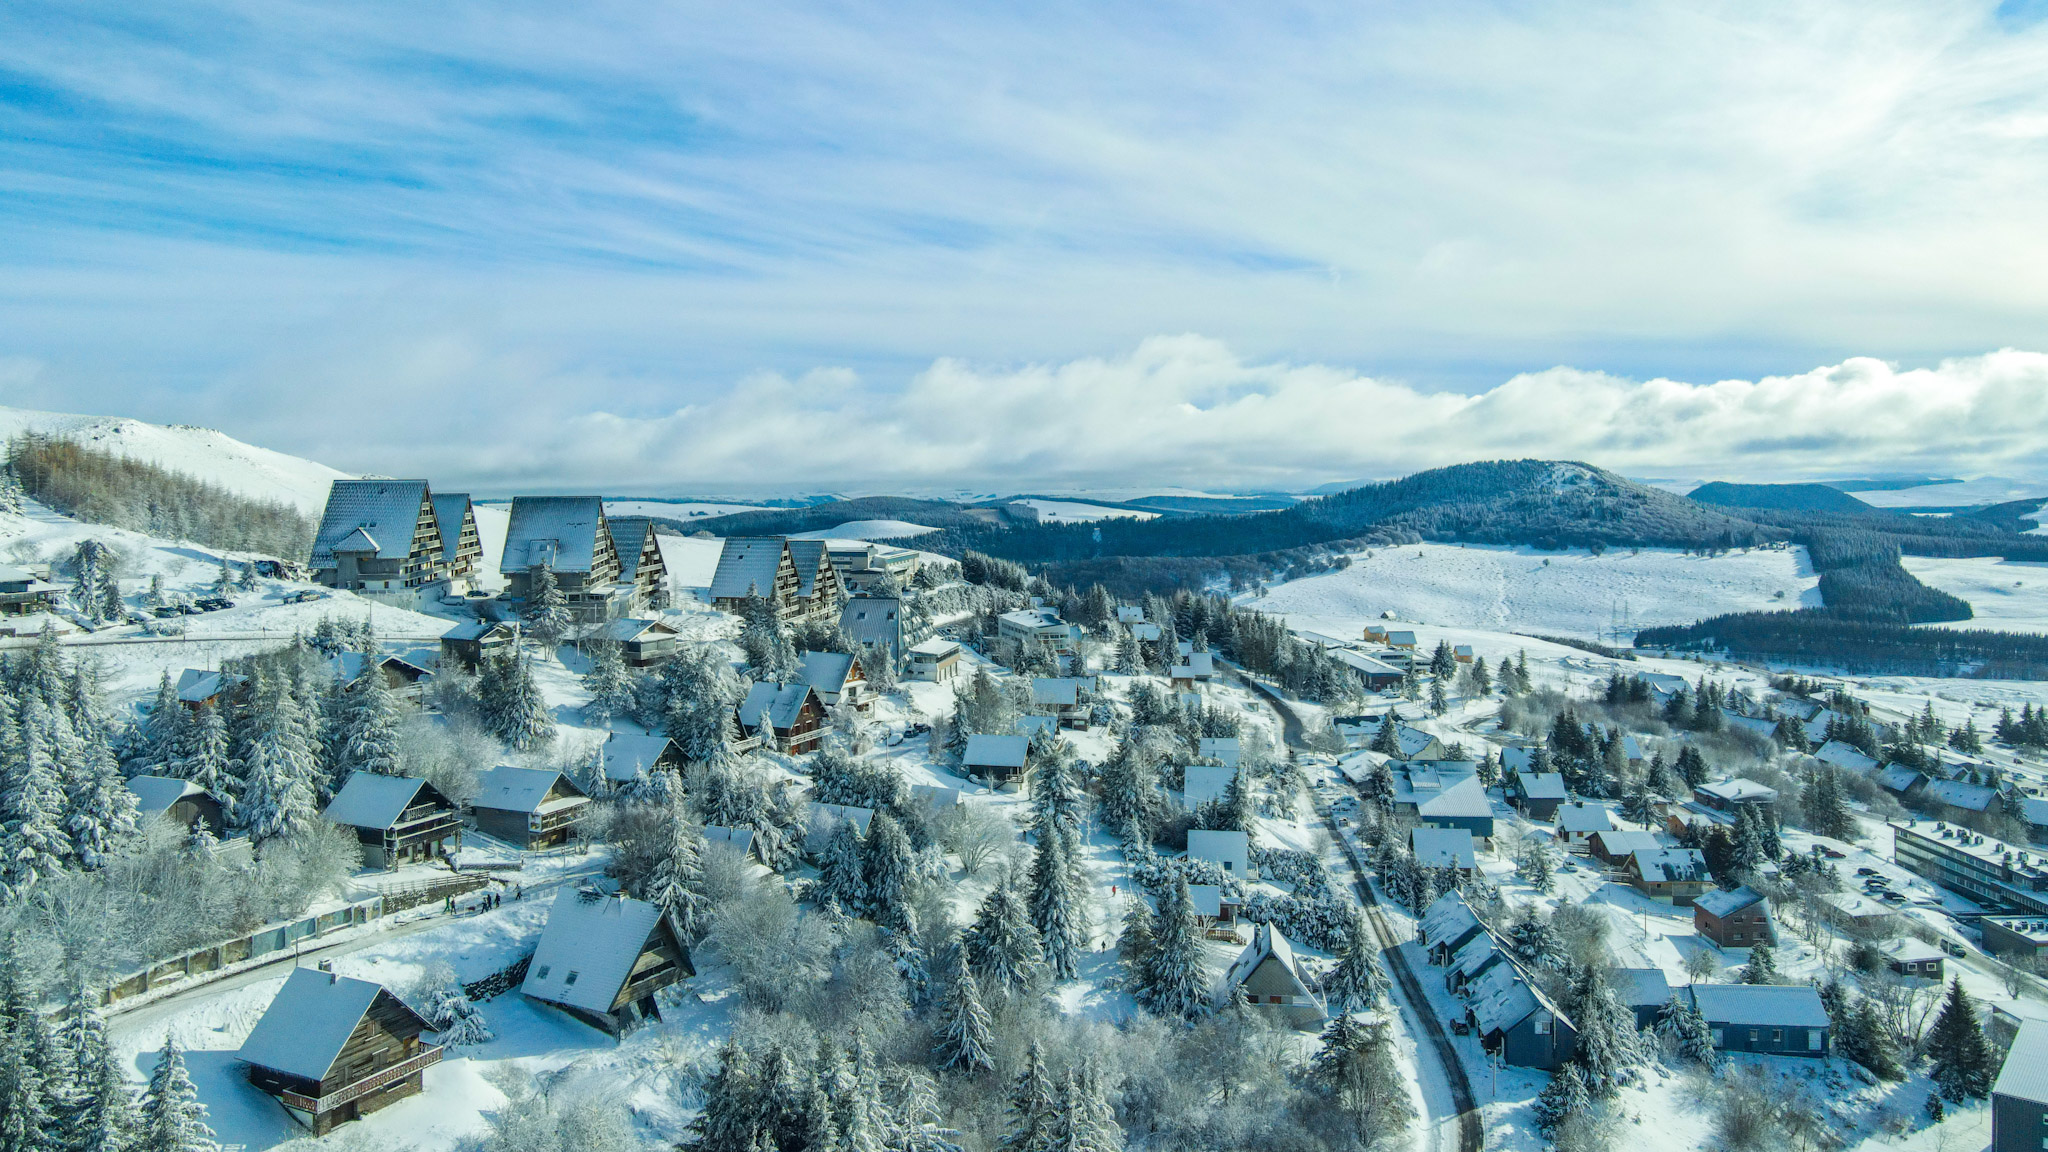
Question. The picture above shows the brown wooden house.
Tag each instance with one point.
(333, 1049)
(782, 718)
(398, 820)
(602, 958)
(180, 801)
(528, 807)
(466, 645)
(1737, 919)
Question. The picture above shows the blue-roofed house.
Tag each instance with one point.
(640, 559)
(1443, 848)
(998, 760)
(1644, 990)
(180, 801)
(1538, 794)
(2019, 1099)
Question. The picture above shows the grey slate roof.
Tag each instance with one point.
(309, 1022)
(627, 755)
(747, 566)
(2025, 1075)
(809, 557)
(1641, 987)
(995, 751)
(825, 671)
(783, 702)
(371, 800)
(1443, 847)
(451, 510)
(629, 537)
(509, 789)
(557, 531)
(154, 795)
(389, 509)
(1541, 785)
(588, 948)
(1768, 1005)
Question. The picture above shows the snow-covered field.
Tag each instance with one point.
(198, 452)
(1983, 490)
(691, 562)
(2006, 595)
(1561, 593)
(867, 530)
(1074, 512)
(675, 509)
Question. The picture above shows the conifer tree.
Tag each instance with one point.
(1056, 900)
(1681, 1025)
(33, 844)
(1523, 685)
(1482, 681)
(1001, 946)
(451, 1013)
(26, 1120)
(207, 764)
(1607, 1050)
(1034, 1108)
(224, 584)
(732, 1115)
(963, 1028)
(609, 682)
(885, 869)
(100, 812)
(1386, 741)
(547, 610)
(513, 708)
(1562, 1100)
(674, 886)
(842, 870)
(1173, 983)
(1963, 1065)
(1762, 967)
(1638, 805)
(1359, 984)
(369, 731)
(1438, 702)
(173, 1119)
(278, 794)
(162, 728)
(1128, 660)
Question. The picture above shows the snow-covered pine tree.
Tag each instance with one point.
(1056, 900)
(100, 811)
(1608, 1052)
(28, 1122)
(886, 869)
(207, 762)
(1637, 804)
(173, 1119)
(1001, 946)
(450, 1012)
(1386, 741)
(771, 656)
(33, 843)
(1128, 661)
(695, 693)
(1762, 967)
(1438, 702)
(962, 1025)
(1681, 1025)
(248, 581)
(609, 682)
(732, 1117)
(1173, 983)
(1956, 1047)
(1562, 1100)
(369, 733)
(1359, 984)
(514, 709)
(224, 583)
(675, 886)
(279, 793)
(842, 870)
(547, 610)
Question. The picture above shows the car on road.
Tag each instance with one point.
(1952, 948)
(1866, 872)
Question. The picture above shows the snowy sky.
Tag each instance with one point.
(1001, 246)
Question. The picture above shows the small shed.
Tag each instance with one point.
(529, 807)
(1230, 851)
(179, 801)
(1272, 982)
(602, 958)
(333, 1049)
(1645, 990)
(1915, 958)
(398, 819)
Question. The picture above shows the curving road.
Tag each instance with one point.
(1471, 1127)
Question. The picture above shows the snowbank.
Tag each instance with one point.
(1071, 512)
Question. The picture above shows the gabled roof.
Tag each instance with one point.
(1225, 749)
(1778, 1006)
(629, 628)
(1145, 631)
(1268, 944)
(1479, 953)
(1443, 848)
(450, 510)
(2025, 1075)
(372, 800)
(1667, 865)
(1738, 791)
(823, 819)
(935, 796)
(509, 789)
(1465, 799)
(747, 567)
(739, 839)
(1718, 903)
(2034, 811)
(1541, 785)
(154, 795)
(1130, 614)
(358, 541)
(197, 686)
(1203, 784)
(588, 949)
(1642, 987)
(629, 755)
(1580, 816)
(1217, 846)
(1055, 691)
(1413, 741)
(783, 702)
(1632, 749)
(1447, 918)
(476, 630)
(388, 509)
(1956, 794)
(809, 558)
(995, 751)
(629, 537)
(1907, 950)
(349, 665)
(1900, 779)
(1757, 724)
(309, 1021)
(1618, 842)
(1029, 726)
(558, 532)
(1194, 666)
(825, 671)
(1034, 619)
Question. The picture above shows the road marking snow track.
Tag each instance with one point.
(1415, 1001)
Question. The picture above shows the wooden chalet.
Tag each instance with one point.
(640, 560)
(819, 590)
(528, 807)
(333, 1049)
(568, 536)
(398, 819)
(642, 643)
(1272, 982)
(602, 958)
(198, 688)
(631, 758)
(401, 677)
(781, 717)
(180, 801)
(997, 760)
(377, 536)
(836, 677)
(796, 577)
(462, 549)
(23, 592)
(1676, 875)
(466, 645)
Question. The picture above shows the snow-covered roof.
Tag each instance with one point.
(1756, 724)
(1228, 750)
(1204, 784)
(1908, 950)
(1401, 639)
(1465, 799)
(1130, 614)
(809, 558)
(1542, 785)
(1579, 816)
(1145, 631)
(747, 567)
(934, 648)
(1855, 904)
(1503, 1009)
(1478, 954)
(556, 532)
(740, 839)
(1058, 692)
(196, 685)
(1738, 791)
(1413, 741)
(1631, 748)
(1219, 847)
(1719, 903)
(509, 789)
(373, 800)
(1267, 944)
(1620, 842)
(2025, 1075)
(1447, 918)
(1519, 759)
(822, 820)
(1816, 727)
(1194, 666)
(2034, 811)
(1898, 778)
(1956, 794)
(995, 751)
(1665, 865)
(1360, 662)
(935, 796)
(588, 949)
(1443, 848)
(154, 795)
(1033, 619)
(1778, 1006)
(629, 538)
(349, 665)
(1207, 899)
(629, 628)
(308, 1023)
(825, 671)
(476, 630)
(387, 511)
(783, 702)
(450, 510)
(358, 541)
(628, 755)
(1031, 726)
(1641, 987)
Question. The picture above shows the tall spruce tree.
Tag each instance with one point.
(369, 725)
(1961, 1057)
(886, 869)
(33, 844)
(1056, 900)
(1359, 984)
(173, 1119)
(279, 794)
(1033, 1107)
(1174, 983)
(1607, 1052)
(1001, 946)
(609, 682)
(547, 609)
(962, 1025)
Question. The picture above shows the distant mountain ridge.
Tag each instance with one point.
(1782, 497)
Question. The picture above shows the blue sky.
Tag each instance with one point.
(645, 247)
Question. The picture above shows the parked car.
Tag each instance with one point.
(1952, 948)
(1866, 872)
(1830, 853)
(1891, 897)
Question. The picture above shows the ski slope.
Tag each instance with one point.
(1075, 512)
(1559, 593)
(2006, 595)
(866, 530)
(203, 453)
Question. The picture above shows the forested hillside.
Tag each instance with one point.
(105, 488)
(1787, 497)
(818, 517)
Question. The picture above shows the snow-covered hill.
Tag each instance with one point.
(1558, 593)
(215, 457)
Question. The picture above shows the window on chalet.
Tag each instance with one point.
(542, 974)
(569, 979)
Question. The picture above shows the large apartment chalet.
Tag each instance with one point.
(795, 576)
(640, 562)
(568, 536)
(462, 549)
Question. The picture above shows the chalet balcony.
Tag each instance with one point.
(557, 815)
(423, 823)
(357, 1089)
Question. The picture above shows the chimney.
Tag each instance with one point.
(327, 966)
